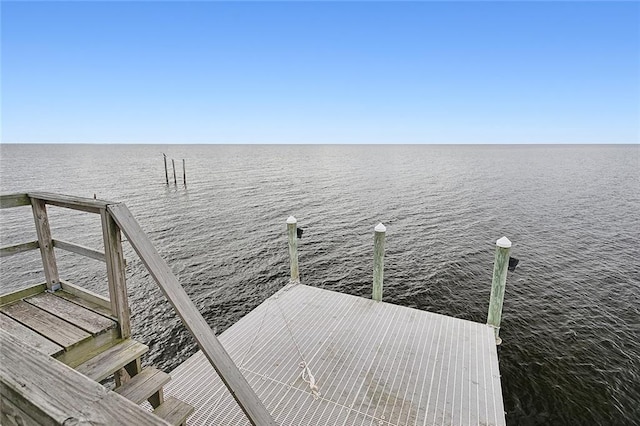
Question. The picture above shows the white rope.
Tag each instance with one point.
(306, 375)
(308, 378)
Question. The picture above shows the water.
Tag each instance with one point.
(571, 323)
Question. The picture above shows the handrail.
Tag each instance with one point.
(90, 205)
(19, 248)
(191, 317)
(9, 201)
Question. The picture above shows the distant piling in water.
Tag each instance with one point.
(173, 163)
(166, 173)
(175, 175)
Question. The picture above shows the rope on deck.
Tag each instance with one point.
(306, 374)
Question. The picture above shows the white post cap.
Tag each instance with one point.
(503, 242)
(291, 220)
(380, 228)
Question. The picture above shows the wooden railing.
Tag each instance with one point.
(117, 302)
(117, 218)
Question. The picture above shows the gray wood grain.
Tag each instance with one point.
(19, 248)
(72, 313)
(116, 273)
(70, 202)
(78, 249)
(29, 336)
(114, 358)
(45, 242)
(143, 385)
(14, 200)
(48, 325)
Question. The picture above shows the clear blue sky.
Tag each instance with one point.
(321, 72)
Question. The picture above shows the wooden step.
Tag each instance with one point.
(143, 385)
(174, 411)
(113, 359)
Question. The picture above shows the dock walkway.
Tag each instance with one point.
(374, 363)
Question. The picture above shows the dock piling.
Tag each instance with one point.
(293, 248)
(184, 173)
(378, 261)
(173, 163)
(498, 283)
(166, 173)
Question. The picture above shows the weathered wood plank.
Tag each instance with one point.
(191, 318)
(78, 249)
(99, 309)
(85, 294)
(28, 336)
(18, 248)
(89, 348)
(22, 293)
(67, 201)
(45, 243)
(14, 200)
(11, 415)
(113, 359)
(144, 385)
(174, 411)
(116, 273)
(50, 326)
(77, 315)
(47, 392)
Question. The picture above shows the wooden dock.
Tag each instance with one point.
(374, 364)
(305, 356)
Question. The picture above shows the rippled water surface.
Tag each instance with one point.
(571, 322)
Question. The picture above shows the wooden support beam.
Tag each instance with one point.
(116, 272)
(90, 205)
(46, 243)
(87, 295)
(21, 293)
(14, 200)
(18, 248)
(78, 249)
(191, 318)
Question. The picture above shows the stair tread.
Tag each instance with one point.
(113, 359)
(174, 411)
(143, 385)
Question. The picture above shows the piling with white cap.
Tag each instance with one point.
(292, 225)
(498, 283)
(378, 261)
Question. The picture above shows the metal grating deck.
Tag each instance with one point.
(375, 364)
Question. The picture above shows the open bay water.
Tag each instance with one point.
(571, 318)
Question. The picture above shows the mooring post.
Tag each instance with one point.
(166, 173)
(184, 173)
(498, 283)
(292, 225)
(173, 163)
(378, 261)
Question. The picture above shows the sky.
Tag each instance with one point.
(320, 72)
